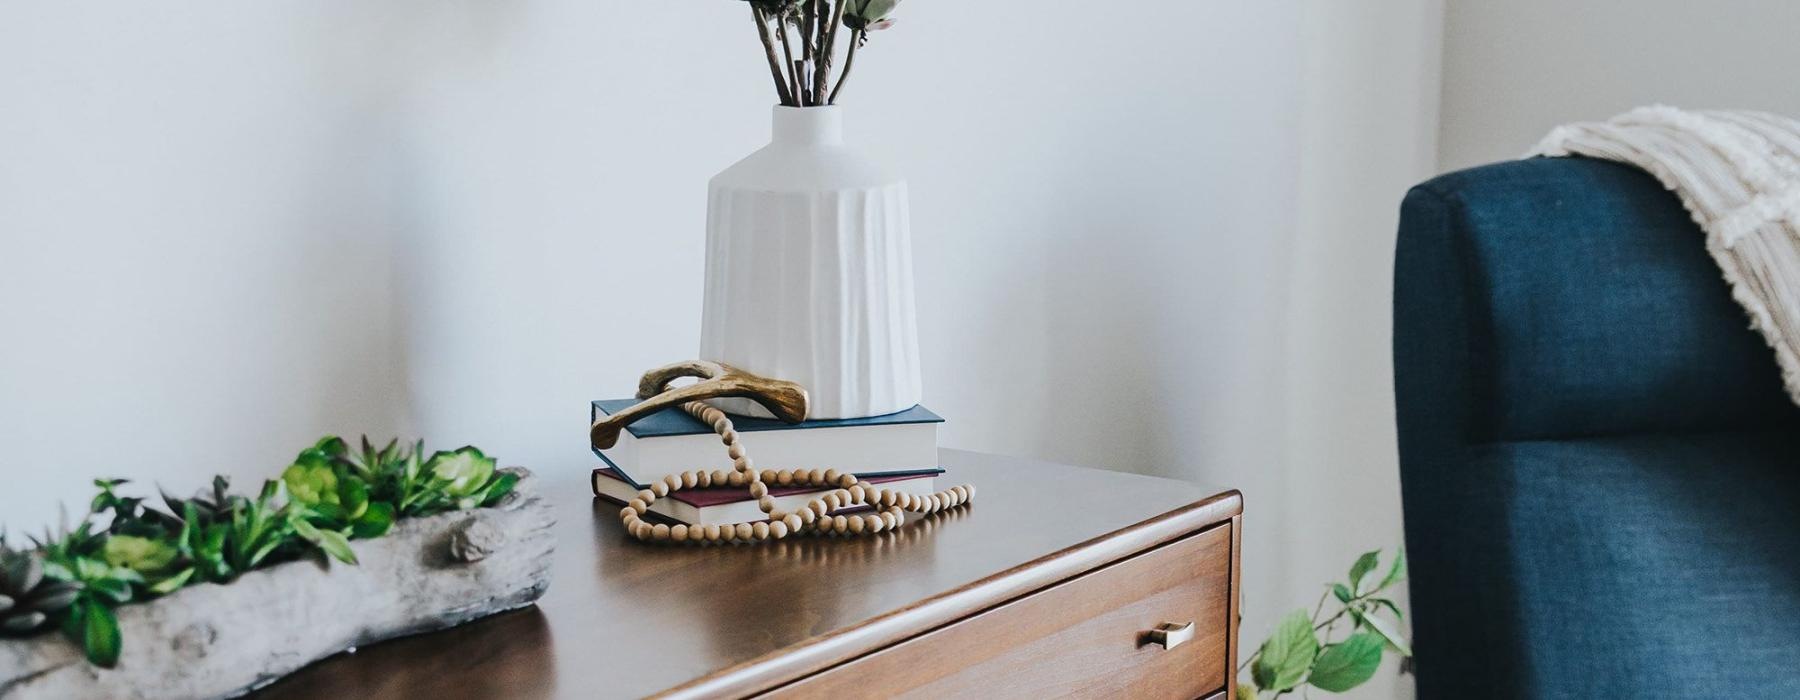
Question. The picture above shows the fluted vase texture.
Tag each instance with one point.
(809, 271)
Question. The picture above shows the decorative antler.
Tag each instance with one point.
(786, 400)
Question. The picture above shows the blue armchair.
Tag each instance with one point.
(1600, 472)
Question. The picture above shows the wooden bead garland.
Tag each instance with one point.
(814, 518)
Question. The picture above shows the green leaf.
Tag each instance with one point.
(1342, 592)
(497, 489)
(1282, 661)
(1348, 664)
(335, 544)
(1391, 606)
(311, 482)
(375, 521)
(141, 554)
(462, 472)
(331, 542)
(1384, 629)
(1364, 564)
(172, 583)
(100, 635)
(1245, 691)
(1395, 574)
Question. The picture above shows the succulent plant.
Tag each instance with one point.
(28, 598)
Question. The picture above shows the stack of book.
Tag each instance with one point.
(897, 451)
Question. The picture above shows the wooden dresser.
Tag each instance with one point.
(1057, 581)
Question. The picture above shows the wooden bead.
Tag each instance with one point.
(689, 480)
(818, 508)
(759, 530)
(638, 505)
(766, 504)
(720, 477)
(768, 476)
(807, 516)
(839, 524)
(856, 525)
(873, 523)
(744, 465)
(743, 531)
(679, 533)
(737, 479)
(889, 520)
(886, 499)
(831, 476)
(659, 489)
(627, 515)
(712, 533)
(793, 521)
(735, 452)
(673, 481)
(758, 490)
(857, 494)
(832, 501)
(659, 532)
(727, 436)
(703, 479)
(785, 478)
(778, 529)
(816, 476)
(846, 480)
(971, 490)
(647, 496)
(640, 530)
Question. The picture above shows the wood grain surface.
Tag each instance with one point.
(626, 619)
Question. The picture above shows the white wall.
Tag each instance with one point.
(1159, 246)
(1513, 70)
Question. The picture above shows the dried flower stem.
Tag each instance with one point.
(856, 40)
(781, 83)
(787, 50)
(828, 42)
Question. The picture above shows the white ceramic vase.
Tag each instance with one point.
(809, 271)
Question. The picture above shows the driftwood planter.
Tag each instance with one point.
(216, 640)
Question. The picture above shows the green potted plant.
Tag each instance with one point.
(1307, 651)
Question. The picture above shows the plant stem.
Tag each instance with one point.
(849, 62)
(828, 45)
(762, 30)
(787, 50)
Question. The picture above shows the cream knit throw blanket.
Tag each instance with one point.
(1738, 174)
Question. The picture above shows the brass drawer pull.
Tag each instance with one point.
(1169, 635)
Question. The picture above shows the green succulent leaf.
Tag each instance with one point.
(173, 583)
(1342, 592)
(100, 635)
(310, 482)
(376, 520)
(1347, 664)
(503, 484)
(1282, 661)
(139, 554)
(331, 542)
(463, 472)
(1364, 564)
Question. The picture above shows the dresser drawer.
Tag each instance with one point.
(1086, 637)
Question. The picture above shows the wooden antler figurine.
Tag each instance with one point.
(787, 400)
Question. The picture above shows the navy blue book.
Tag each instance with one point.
(671, 442)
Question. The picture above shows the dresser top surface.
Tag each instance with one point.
(627, 619)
